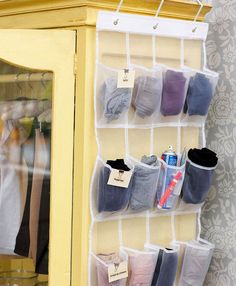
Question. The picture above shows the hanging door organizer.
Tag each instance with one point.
(137, 97)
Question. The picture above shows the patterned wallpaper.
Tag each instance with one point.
(219, 212)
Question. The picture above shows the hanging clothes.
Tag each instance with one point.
(41, 266)
(10, 199)
(23, 239)
(33, 236)
(41, 161)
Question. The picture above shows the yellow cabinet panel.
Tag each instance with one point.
(30, 52)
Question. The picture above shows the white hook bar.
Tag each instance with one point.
(146, 25)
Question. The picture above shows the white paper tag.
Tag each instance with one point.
(125, 78)
(117, 271)
(119, 178)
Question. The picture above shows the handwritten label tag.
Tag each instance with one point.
(119, 178)
(117, 271)
(126, 78)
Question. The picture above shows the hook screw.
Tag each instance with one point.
(155, 26)
(116, 22)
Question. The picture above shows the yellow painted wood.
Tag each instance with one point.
(137, 148)
(160, 231)
(74, 13)
(84, 153)
(20, 6)
(5, 264)
(134, 232)
(53, 51)
(105, 237)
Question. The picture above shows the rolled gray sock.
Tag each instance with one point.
(115, 100)
(144, 185)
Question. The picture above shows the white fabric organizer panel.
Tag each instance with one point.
(119, 126)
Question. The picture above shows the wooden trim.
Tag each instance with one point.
(85, 152)
(181, 9)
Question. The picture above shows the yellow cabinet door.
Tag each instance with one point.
(37, 67)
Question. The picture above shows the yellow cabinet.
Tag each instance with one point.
(69, 56)
(38, 66)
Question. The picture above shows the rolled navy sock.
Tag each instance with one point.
(199, 95)
(168, 269)
(112, 198)
(196, 184)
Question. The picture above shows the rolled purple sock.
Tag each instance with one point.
(173, 94)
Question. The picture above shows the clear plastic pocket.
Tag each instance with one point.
(200, 92)
(112, 103)
(146, 96)
(169, 185)
(108, 200)
(197, 258)
(144, 184)
(197, 183)
(141, 266)
(166, 266)
(185, 207)
(99, 265)
(175, 85)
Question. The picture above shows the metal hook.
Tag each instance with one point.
(17, 83)
(42, 80)
(116, 22)
(197, 15)
(117, 11)
(157, 13)
(155, 26)
(30, 85)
